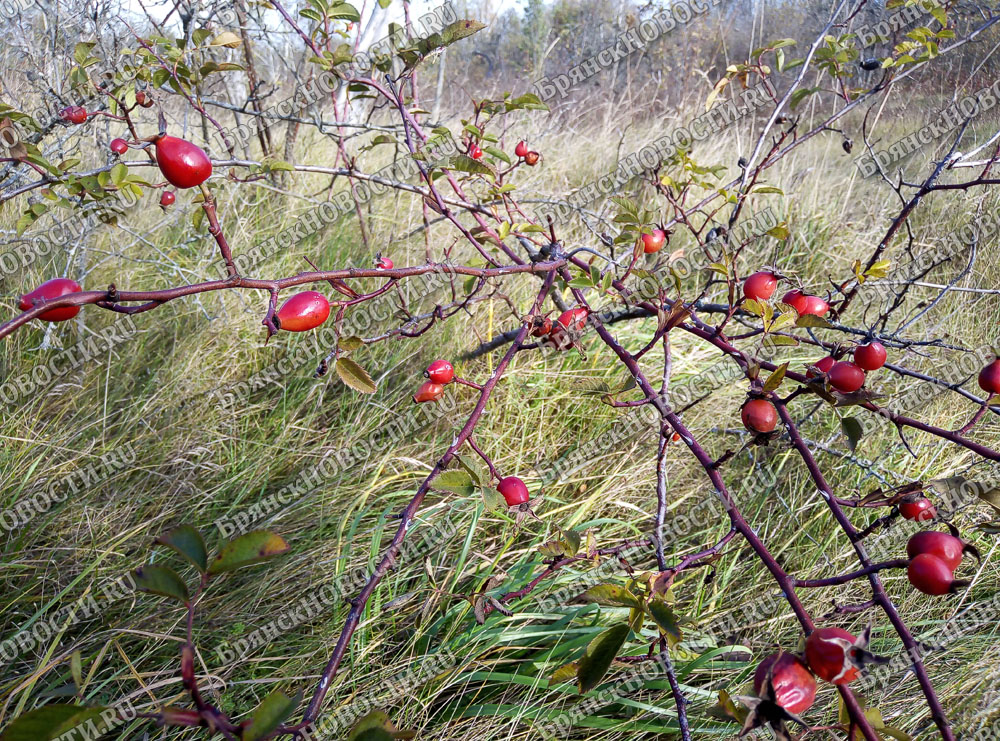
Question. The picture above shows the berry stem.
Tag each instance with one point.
(896, 563)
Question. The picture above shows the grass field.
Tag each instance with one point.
(189, 402)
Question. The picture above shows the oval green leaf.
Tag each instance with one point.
(249, 549)
(187, 542)
(162, 581)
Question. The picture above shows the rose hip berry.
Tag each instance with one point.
(521, 150)
(759, 415)
(119, 146)
(930, 575)
(989, 378)
(475, 152)
(870, 356)
(794, 685)
(440, 371)
(513, 490)
(167, 198)
(941, 545)
(654, 242)
(823, 366)
(804, 304)
(829, 654)
(384, 263)
(542, 326)
(760, 286)
(428, 391)
(303, 311)
(846, 377)
(917, 510)
(531, 159)
(143, 99)
(73, 114)
(182, 163)
(50, 289)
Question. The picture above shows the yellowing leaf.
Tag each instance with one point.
(354, 376)
(227, 39)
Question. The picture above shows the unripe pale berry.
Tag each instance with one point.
(428, 391)
(759, 415)
(793, 683)
(827, 657)
(917, 510)
(846, 377)
(303, 311)
(989, 378)
(760, 286)
(513, 490)
(870, 356)
(440, 371)
(946, 547)
(50, 289)
(930, 575)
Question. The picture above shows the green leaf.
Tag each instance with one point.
(82, 50)
(459, 30)
(811, 320)
(601, 651)
(665, 619)
(853, 431)
(48, 722)
(247, 550)
(272, 712)
(465, 163)
(350, 343)
(187, 542)
(564, 673)
(774, 380)
(611, 595)
(345, 11)
(161, 580)
(456, 481)
(354, 376)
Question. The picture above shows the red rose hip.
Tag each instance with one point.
(182, 163)
(119, 146)
(303, 311)
(760, 286)
(942, 545)
(654, 242)
(989, 377)
(816, 306)
(428, 391)
(870, 356)
(759, 415)
(73, 114)
(521, 149)
(440, 371)
(513, 490)
(167, 198)
(50, 289)
(823, 366)
(475, 152)
(846, 377)
(793, 683)
(829, 653)
(384, 263)
(930, 575)
(917, 510)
